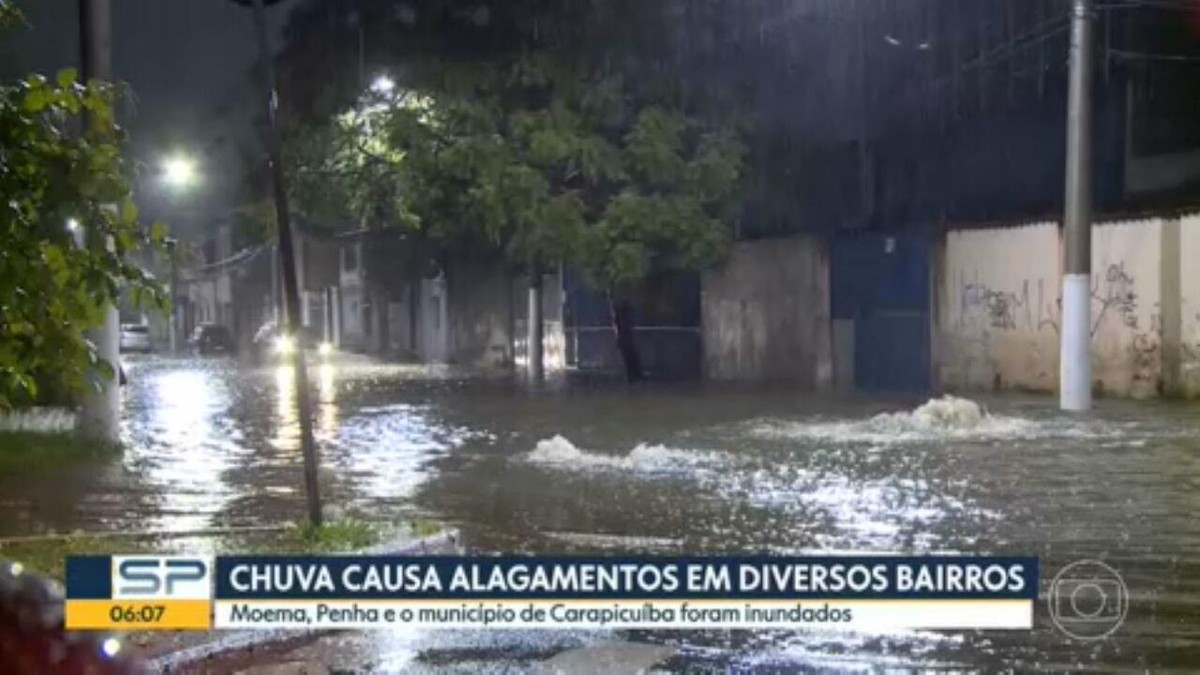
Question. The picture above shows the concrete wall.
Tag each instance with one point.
(1127, 262)
(998, 294)
(765, 313)
(1188, 352)
(479, 315)
(996, 308)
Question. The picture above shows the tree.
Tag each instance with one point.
(542, 163)
(67, 226)
(671, 210)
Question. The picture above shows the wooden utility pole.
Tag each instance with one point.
(287, 260)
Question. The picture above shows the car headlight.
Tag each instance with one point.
(325, 349)
(285, 344)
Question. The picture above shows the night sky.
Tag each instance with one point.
(189, 64)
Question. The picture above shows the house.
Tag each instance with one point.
(238, 289)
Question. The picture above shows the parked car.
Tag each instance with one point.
(271, 344)
(211, 338)
(135, 337)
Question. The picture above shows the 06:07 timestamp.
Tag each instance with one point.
(136, 613)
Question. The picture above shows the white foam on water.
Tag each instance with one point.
(559, 452)
(39, 420)
(948, 417)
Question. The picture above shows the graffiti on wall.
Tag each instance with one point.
(1114, 294)
(1115, 303)
(1025, 309)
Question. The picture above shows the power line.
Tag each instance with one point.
(1188, 58)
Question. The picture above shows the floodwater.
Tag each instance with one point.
(672, 469)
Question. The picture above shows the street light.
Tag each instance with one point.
(179, 171)
(383, 85)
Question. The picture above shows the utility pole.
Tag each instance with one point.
(100, 413)
(1075, 356)
(287, 260)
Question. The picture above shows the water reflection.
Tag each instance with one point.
(324, 408)
(675, 470)
(392, 448)
(327, 409)
(185, 445)
(287, 430)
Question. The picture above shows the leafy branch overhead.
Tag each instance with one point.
(68, 225)
(539, 164)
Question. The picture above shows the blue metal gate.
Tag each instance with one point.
(880, 282)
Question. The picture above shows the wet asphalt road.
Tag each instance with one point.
(667, 469)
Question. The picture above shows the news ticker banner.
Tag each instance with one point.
(139, 592)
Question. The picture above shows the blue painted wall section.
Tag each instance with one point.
(881, 282)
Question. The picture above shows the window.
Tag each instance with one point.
(350, 257)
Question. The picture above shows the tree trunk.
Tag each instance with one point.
(533, 343)
(622, 318)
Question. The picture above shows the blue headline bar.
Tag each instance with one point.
(511, 577)
(89, 577)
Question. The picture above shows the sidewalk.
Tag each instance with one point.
(191, 651)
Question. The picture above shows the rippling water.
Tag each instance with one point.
(680, 469)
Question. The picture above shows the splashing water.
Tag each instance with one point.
(949, 412)
(560, 452)
(948, 417)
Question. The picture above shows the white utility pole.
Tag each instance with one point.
(101, 411)
(1075, 356)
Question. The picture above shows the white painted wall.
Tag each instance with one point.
(1189, 305)
(1126, 344)
(997, 308)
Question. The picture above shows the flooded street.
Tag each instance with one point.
(670, 469)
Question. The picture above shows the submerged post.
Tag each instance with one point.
(1075, 356)
(287, 264)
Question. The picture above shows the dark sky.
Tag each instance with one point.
(189, 64)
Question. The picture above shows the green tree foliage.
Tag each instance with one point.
(539, 163)
(67, 227)
(541, 167)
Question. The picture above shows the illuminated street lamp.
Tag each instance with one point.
(383, 85)
(179, 171)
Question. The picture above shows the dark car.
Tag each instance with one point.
(210, 339)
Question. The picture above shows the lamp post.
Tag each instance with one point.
(287, 260)
(178, 173)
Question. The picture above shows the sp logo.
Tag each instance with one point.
(161, 577)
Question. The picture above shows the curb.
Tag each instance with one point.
(443, 543)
